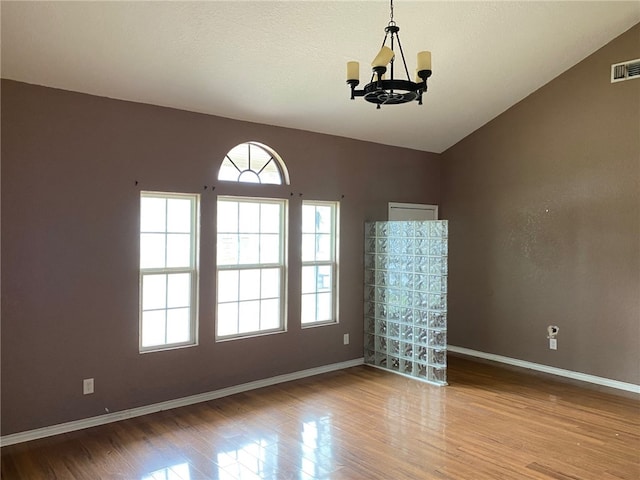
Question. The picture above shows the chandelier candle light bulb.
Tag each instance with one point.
(353, 71)
(384, 57)
(424, 61)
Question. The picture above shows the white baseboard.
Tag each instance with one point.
(179, 402)
(607, 382)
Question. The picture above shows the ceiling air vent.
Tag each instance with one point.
(625, 70)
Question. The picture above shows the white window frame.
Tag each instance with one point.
(281, 265)
(332, 263)
(192, 269)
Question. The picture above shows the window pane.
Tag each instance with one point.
(308, 308)
(324, 307)
(249, 284)
(270, 285)
(270, 218)
(152, 214)
(249, 316)
(152, 254)
(179, 215)
(259, 157)
(227, 285)
(228, 171)
(249, 217)
(271, 174)
(269, 248)
(308, 247)
(309, 279)
(323, 247)
(270, 314)
(240, 155)
(178, 325)
(323, 219)
(154, 292)
(227, 319)
(308, 218)
(323, 280)
(249, 176)
(249, 249)
(179, 286)
(153, 328)
(178, 250)
(227, 217)
(227, 249)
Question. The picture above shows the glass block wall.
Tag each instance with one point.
(405, 300)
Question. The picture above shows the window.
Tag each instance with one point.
(319, 262)
(168, 270)
(251, 270)
(252, 162)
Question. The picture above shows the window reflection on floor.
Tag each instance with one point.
(312, 457)
(316, 447)
(254, 460)
(175, 472)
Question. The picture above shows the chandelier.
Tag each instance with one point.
(390, 91)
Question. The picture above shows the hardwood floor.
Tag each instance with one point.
(491, 422)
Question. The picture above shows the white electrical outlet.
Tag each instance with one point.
(553, 343)
(345, 339)
(87, 386)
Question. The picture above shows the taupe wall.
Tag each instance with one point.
(544, 213)
(70, 215)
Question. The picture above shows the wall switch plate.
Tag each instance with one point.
(553, 343)
(345, 339)
(87, 386)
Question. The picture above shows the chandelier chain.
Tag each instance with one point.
(391, 21)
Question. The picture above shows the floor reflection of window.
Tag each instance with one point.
(316, 447)
(175, 472)
(253, 460)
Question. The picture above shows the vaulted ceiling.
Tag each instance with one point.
(283, 63)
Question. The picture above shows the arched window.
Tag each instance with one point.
(252, 162)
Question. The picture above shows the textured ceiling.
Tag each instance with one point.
(283, 63)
